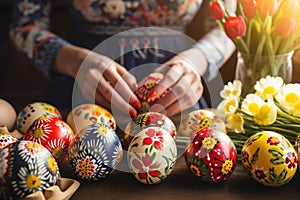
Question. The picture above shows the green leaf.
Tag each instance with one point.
(86, 116)
(282, 175)
(255, 156)
(272, 174)
(277, 156)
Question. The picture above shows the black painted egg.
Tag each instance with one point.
(25, 168)
(95, 152)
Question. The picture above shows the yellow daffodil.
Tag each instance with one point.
(235, 122)
(251, 104)
(289, 99)
(268, 86)
(232, 89)
(267, 113)
(229, 105)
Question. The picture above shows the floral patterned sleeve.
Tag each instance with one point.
(29, 32)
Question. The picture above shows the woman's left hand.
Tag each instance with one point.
(183, 78)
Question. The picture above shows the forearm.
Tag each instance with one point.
(217, 49)
(69, 59)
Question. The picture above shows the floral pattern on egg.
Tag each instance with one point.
(6, 139)
(199, 119)
(33, 111)
(211, 155)
(269, 158)
(86, 114)
(145, 120)
(95, 152)
(53, 133)
(142, 92)
(152, 155)
(25, 168)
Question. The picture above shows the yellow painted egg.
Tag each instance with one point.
(269, 158)
(200, 119)
(32, 111)
(87, 114)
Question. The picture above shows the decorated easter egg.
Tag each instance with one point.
(142, 92)
(269, 158)
(297, 148)
(8, 115)
(33, 111)
(152, 155)
(53, 133)
(145, 120)
(6, 139)
(95, 152)
(87, 114)
(199, 119)
(211, 155)
(26, 167)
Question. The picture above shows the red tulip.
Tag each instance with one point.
(250, 9)
(265, 7)
(217, 10)
(286, 26)
(235, 27)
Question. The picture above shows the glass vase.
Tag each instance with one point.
(251, 68)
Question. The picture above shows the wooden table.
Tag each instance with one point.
(181, 184)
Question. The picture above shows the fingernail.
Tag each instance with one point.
(152, 94)
(136, 104)
(132, 114)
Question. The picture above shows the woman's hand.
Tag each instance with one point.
(182, 74)
(100, 79)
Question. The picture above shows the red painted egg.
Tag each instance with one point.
(33, 111)
(53, 133)
(211, 155)
(145, 120)
(142, 92)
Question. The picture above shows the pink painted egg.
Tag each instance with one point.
(53, 133)
(145, 120)
(32, 111)
(142, 92)
(25, 168)
(211, 155)
(199, 119)
(87, 114)
(152, 155)
(95, 152)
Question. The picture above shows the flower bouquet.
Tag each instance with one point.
(275, 106)
(266, 34)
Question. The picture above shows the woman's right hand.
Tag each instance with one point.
(100, 79)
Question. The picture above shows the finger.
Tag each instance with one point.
(163, 68)
(118, 84)
(115, 98)
(179, 90)
(170, 78)
(93, 95)
(128, 78)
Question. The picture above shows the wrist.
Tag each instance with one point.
(69, 59)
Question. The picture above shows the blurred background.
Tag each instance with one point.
(21, 83)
